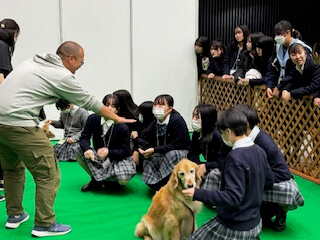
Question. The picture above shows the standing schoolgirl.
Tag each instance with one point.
(281, 68)
(217, 51)
(284, 194)
(9, 31)
(201, 48)
(206, 140)
(234, 50)
(72, 120)
(306, 75)
(245, 174)
(316, 57)
(264, 56)
(168, 140)
(249, 58)
(108, 163)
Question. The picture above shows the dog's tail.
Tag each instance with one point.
(141, 230)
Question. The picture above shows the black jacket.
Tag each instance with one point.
(306, 83)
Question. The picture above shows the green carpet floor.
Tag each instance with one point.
(113, 215)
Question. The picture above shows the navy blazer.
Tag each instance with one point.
(214, 152)
(276, 160)
(119, 146)
(306, 83)
(177, 135)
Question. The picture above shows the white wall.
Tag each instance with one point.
(144, 46)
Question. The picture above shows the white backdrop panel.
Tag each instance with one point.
(164, 61)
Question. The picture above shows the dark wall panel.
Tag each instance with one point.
(217, 18)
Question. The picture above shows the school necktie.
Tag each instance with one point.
(161, 129)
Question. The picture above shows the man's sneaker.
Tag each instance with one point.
(14, 221)
(2, 198)
(55, 229)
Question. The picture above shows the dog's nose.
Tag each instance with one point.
(190, 185)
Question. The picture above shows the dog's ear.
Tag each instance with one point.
(174, 178)
(198, 176)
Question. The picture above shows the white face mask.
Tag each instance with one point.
(229, 144)
(280, 39)
(140, 118)
(196, 125)
(66, 110)
(158, 113)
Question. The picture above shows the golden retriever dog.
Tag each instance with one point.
(46, 130)
(171, 216)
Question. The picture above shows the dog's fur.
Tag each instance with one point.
(169, 216)
(46, 130)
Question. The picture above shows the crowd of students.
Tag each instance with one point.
(286, 65)
(245, 175)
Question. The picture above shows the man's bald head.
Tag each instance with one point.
(69, 48)
(72, 55)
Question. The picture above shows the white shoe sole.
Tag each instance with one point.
(47, 234)
(15, 225)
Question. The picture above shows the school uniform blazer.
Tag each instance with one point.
(230, 57)
(214, 152)
(119, 146)
(216, 66)
(273, 73)
(306, 83)
(278, 164)
(177, 135)
(245, 175)
(245, 63)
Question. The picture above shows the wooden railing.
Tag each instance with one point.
(294, 125)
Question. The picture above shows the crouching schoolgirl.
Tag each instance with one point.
(109, 162)
(168, 142)
(245, 174)
(285, 194)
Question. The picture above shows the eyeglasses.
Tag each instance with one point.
(81, 62)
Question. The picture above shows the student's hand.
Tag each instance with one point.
(275, 92)
(188, 193)
(134, 134)
(70, 140)
(202, 169)
(146, 153)
(316, 102)
(135, 157)
(243, 81)
(269, 93)
(226, 76)
(89, 154)
(102, 153)
(286, 95)
(48, 121)
(211, 75)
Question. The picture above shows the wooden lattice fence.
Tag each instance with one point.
(294, 125)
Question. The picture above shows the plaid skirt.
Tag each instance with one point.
(64, 151)
(215, 230)
(109, 170)
(212, 180)
(286, 192)
(159, 166)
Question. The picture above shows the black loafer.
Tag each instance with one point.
(279, 223)
(91, 186)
